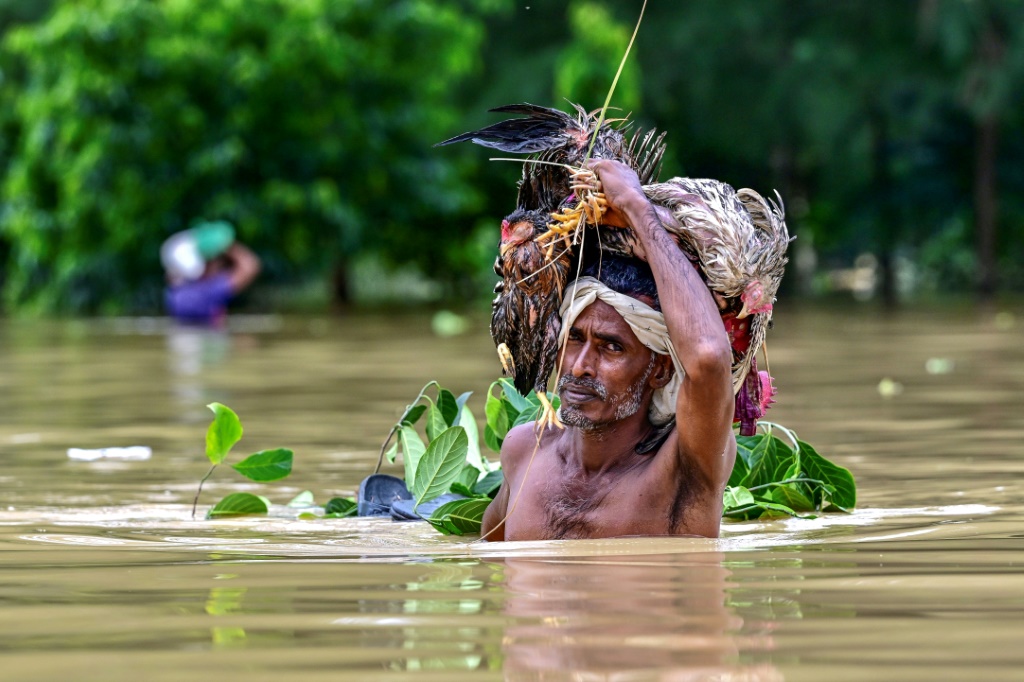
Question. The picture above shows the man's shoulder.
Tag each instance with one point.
(521, 441)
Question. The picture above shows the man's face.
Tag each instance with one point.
(606, 373)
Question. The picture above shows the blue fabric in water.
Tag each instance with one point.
(378, 492)
(384, 495)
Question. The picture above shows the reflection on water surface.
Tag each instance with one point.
(103, 576)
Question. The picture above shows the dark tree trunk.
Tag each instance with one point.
(340, 294)
(985, 204)
(887, 228)
(991, 55)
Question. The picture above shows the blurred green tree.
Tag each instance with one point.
(587, 64)
(309, 124)
(982, 47)
(306, 123)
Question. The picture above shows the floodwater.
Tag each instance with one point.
(105, 576)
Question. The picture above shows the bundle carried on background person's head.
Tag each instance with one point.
(185, 254)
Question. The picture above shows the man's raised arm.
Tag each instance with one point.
(705, 405)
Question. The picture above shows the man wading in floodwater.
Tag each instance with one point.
(613, 471)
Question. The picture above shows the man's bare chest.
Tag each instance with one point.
(560, 505)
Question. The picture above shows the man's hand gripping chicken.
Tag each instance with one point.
(646, 397)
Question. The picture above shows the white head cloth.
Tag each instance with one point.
(646, 322)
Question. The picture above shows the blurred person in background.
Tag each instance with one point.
(206, 268)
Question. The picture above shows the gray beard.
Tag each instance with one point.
(634, 394)
(633, 398)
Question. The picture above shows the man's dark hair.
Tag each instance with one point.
(629, 276)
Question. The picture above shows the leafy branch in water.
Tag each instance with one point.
(773, 478)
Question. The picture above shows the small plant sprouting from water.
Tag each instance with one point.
(264, 466)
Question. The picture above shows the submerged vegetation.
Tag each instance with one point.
(770, 478)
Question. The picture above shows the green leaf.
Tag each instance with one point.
(510, 412)
(238, 504)
(448, 407)
(392, 452)
(460, 403)
(775, 507)
(745, 445)
(413, 414)
(736, 497)
(460, 488)
(492, 441)
(412, 450)
(514, 397)
(473, 456)
(303, 499)
(468, 476)
(789, 496)
(497, 418)
(816, 466)
(435, 422)
(528, 415)
(266, 465)
(489, 484)
(739, 467)
(440, 465)
(460, 517)
(770, 458)
(225, 430)
(339, 508)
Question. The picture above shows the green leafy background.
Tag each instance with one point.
(309, 125)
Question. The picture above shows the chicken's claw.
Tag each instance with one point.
(508, 363)
(548, 416)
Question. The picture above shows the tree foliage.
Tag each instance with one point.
(309, 124)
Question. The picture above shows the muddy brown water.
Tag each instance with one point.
(104, 575)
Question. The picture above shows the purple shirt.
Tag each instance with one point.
(204, 300)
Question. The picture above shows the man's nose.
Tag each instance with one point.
(582, 364)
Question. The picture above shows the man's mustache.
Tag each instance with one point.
(592, 385)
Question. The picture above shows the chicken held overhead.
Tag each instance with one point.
(739, 240)
(736, 239)
(525, 321)
(561, 142)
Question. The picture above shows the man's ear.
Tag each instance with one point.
(663, 370)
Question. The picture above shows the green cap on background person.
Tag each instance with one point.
(184, 255)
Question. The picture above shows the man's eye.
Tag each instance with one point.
(614, 347)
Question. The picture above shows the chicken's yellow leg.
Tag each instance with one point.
(508, 363)
(548, 415)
